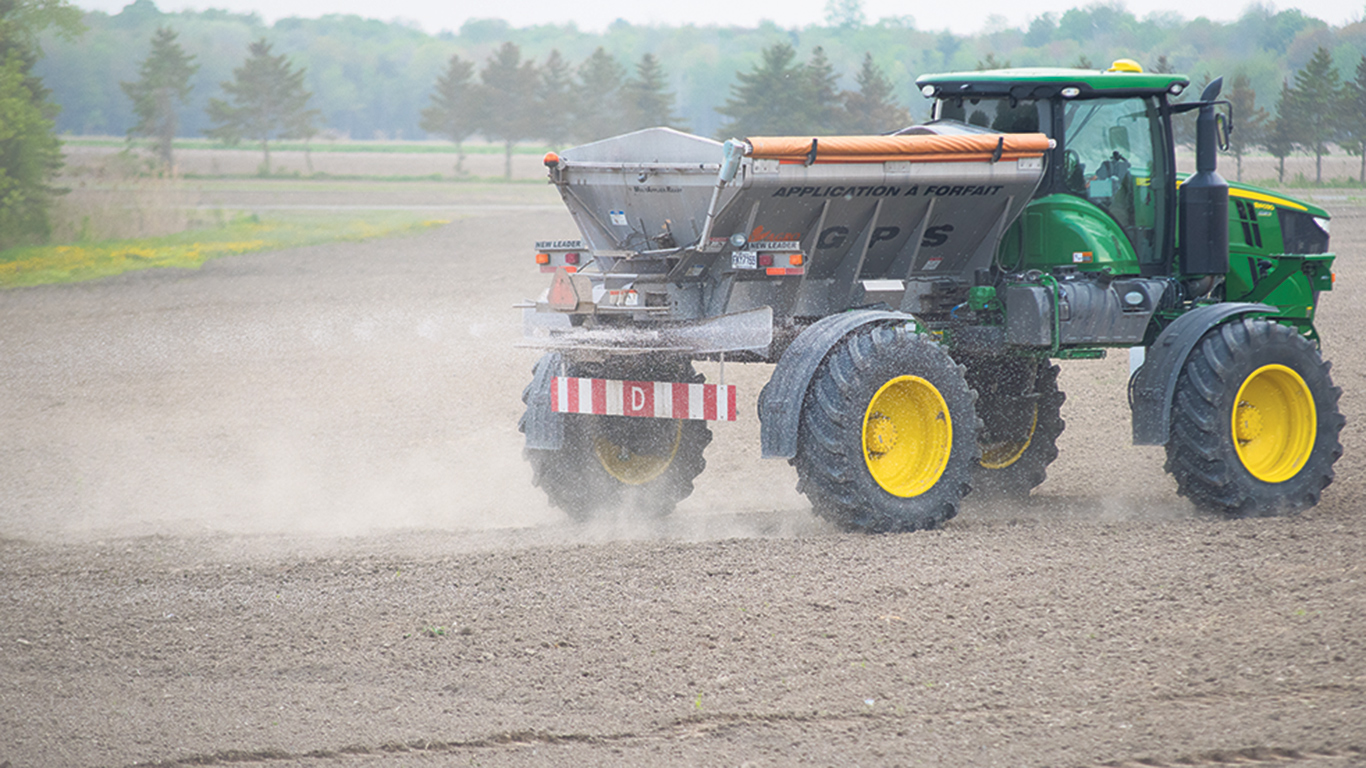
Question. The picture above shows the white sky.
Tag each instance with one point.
(962, 16)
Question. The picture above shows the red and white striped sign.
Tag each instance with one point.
(649, 399)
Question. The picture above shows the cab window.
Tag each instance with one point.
(997, 114)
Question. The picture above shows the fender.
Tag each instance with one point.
(780, 402)
(544, 427)
(1154, 382)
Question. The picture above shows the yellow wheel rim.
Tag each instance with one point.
(1003, 454)
(635, 468)
(1274, 423)
(907, 436)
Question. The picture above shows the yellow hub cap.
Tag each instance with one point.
(1003, 454)
(635, 468)
(907, 436)
(1274, 423)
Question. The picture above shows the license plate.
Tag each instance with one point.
(744, 260)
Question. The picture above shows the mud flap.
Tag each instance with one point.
(1154, 383)
(544, 427)
(780, 402)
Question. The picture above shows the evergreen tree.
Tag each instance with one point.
(763, 101)
(454, 108)
(509, 111)
(267, 100)
(30, 154)
(164, 81)
(872, 109)
(1249, 121)
(555, 100)
(1354, 116)
(1280, 135)
(825, 113)
(1317, 99)
(597, 97)
(645, 100)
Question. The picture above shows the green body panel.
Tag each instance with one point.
(1065, 230)
(1258, 256)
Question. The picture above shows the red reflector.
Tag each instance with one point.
(571, 258)
(765, 259)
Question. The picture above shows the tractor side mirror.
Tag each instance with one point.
(1223, 129)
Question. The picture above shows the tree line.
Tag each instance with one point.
(512, 99)
(344, 75)
(372, 79)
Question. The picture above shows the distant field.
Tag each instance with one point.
(117, 216)
(324, 145)
(435, 160)
(361, 159)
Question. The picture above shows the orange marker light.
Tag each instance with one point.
(551, 159)
(542, 258)
(795, 259)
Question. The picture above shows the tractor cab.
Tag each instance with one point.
(1113, 150)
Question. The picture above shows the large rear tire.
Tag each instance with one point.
(888, 433)
(618, 462)
(1255, 421)
(1020, 406)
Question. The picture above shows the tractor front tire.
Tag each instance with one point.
(1021, 410)
(1255, 421)
(887, 437)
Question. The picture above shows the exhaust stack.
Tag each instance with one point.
(1204, 198)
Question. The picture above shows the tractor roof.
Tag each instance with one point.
(1124, 78)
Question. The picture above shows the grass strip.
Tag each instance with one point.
(48, 264)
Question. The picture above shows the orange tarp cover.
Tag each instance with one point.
(882, 149)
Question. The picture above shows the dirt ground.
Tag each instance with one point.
(274, 512)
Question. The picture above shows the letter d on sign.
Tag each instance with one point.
(639, 399)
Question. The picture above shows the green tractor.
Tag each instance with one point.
(915, 288)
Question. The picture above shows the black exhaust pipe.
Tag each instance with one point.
(1204, 198)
